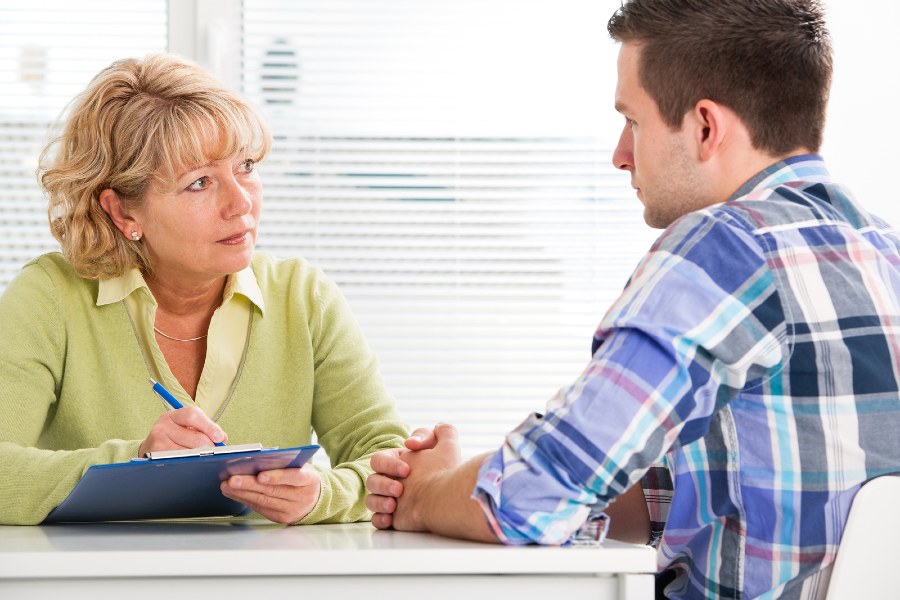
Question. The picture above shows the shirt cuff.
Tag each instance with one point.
(487, 493)
(516, 522)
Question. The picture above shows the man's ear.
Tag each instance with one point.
(121, 218)
(711, 124)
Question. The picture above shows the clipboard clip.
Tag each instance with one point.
(201, 451)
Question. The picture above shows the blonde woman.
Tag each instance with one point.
(155, 199)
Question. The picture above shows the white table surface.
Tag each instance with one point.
(144, 559)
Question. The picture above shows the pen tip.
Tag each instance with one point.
(152, 381)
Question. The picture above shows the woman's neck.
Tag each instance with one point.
(180, 300)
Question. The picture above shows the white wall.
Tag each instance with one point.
(864, 126)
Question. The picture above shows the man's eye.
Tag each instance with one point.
(248, 165)
(199, 185)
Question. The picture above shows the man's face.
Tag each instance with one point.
(662, 161)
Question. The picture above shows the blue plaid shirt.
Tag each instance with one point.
(755, 353)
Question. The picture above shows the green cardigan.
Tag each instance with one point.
(74, 389)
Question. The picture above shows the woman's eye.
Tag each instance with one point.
(247, 166)
(199, 185)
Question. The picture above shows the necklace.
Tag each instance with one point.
(199, 337)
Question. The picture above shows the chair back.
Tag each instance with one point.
(870, 547)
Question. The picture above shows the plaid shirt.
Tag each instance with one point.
(756, 353)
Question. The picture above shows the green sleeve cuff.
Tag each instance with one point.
(341, 496)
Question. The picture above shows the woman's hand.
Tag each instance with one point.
(187, 427)
(280, 495)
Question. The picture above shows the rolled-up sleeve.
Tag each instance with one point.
(558, 509)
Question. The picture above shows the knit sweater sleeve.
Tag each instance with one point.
(34, 480)
(353, 414)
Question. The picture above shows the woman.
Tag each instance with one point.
(155, 200)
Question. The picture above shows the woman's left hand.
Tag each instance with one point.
(281, 495)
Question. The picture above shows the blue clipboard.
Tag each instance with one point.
(172, 484)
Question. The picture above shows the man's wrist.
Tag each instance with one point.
(426, 502)
(448, 507)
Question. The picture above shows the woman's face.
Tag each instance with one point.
(207, 227)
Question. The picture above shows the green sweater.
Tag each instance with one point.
(74, 389)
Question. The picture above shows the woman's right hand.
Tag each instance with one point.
(187, 427)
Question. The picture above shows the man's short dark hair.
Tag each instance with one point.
(767, 60)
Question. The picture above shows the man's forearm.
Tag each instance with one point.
(448, 507)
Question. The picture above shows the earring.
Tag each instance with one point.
(135, 236)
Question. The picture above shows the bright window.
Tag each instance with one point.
(449, 164)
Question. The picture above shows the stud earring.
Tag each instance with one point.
(135, 236)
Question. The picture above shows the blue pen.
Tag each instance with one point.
(172, 400)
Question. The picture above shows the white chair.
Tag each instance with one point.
(868, 559)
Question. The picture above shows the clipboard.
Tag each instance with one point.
(172, 484)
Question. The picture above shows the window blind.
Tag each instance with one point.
(48, 53)
(448, 163)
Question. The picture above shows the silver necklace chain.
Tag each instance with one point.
(199, 337)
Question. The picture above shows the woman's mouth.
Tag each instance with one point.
(236, 240)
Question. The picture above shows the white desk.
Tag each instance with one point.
(218, 560)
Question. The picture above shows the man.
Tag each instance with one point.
(755, 350)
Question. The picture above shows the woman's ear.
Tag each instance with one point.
(121, 218)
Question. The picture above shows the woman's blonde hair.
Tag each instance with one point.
(139, 123)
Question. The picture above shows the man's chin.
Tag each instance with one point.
(654, 220)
